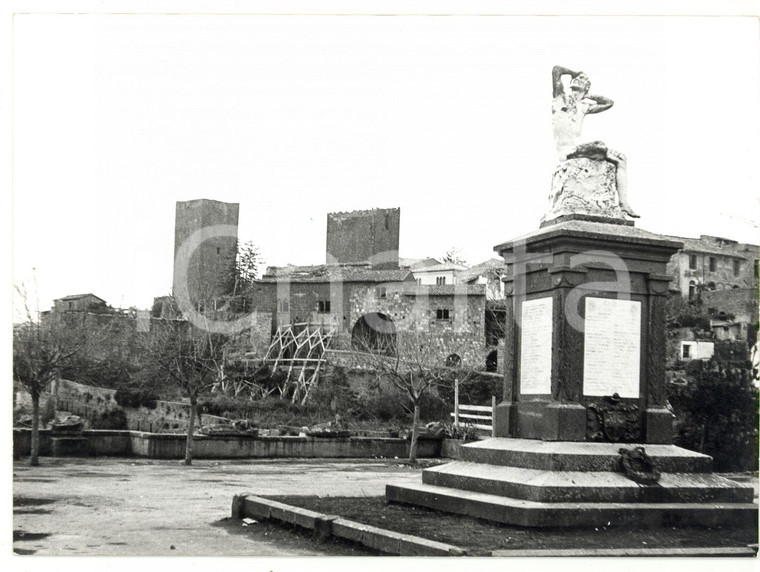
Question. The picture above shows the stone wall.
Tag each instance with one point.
(416, 316)
(364, 236)
(89, 402)
(172, 446)
(412, 309)
(740, 302)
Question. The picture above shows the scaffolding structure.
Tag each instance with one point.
(301, 349)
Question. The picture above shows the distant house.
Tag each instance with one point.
(368, 307)
(80, 303)
(432, 272)
(489, 273)
(711, 263)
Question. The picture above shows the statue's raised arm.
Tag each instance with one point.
(557, 72)
(570, 105)
(601, 103)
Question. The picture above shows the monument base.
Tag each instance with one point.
(547, 420)
(659, 425)
(528, 482)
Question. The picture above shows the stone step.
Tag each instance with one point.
(584, 486)
(580, 456)
(521, 512)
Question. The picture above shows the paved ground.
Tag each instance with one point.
(113, 506)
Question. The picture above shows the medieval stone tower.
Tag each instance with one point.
(364, 236)
(209, 265)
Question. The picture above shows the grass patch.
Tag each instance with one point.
(479, 536)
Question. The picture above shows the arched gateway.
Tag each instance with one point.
(374, 332)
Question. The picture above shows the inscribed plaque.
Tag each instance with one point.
(612, 348)
(536, 347)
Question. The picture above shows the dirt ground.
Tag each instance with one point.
(140, 507)
(480, 537)
(127, 506)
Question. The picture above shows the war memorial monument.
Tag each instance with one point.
(583, 433)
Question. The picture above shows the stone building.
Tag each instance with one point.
(364, 237)
(437, 273)
(489, 273)
(371, 309)
(711, 263)
(209, 264)
(80, 303)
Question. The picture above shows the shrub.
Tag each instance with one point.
(135, 397)
(111, 419)
(47, 412)
(717, 414)
(334, 394)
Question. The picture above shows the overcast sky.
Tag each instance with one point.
(115, 118)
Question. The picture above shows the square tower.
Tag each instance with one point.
(369, 236)
(209, 264)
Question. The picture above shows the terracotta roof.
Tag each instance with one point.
(324, 273)
(708, 247)
(414, 289)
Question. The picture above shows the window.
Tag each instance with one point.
(440, 280)
(442, 314)
(737, 267)
(323, 306)
(283, 305)
(692, 261)
(692, 291)
(685, 351)
(713, 264)
(419, 280)
(380, 292)
(218, 250)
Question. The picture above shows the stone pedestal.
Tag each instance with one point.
(585, 188)
(584, 389)
(603, 343)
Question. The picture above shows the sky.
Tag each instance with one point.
(117, 117)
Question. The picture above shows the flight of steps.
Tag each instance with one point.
(529, 482)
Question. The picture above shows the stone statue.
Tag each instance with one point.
(569, 109)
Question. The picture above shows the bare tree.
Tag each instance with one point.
(41, 348)
(454, 256)
(189, 358)
(415, 366)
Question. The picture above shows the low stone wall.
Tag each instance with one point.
(450, 448)
(167, 446)
(172, 446)
(88, 402)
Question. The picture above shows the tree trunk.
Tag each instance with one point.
(200, 416)
(56, 384)
(190, 427)
(415, 434)
(34, 458)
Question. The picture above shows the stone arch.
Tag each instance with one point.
(492, 361)
(374, 332)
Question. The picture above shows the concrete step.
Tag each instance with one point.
(521, 512)
(581, 456)
(583, 486)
